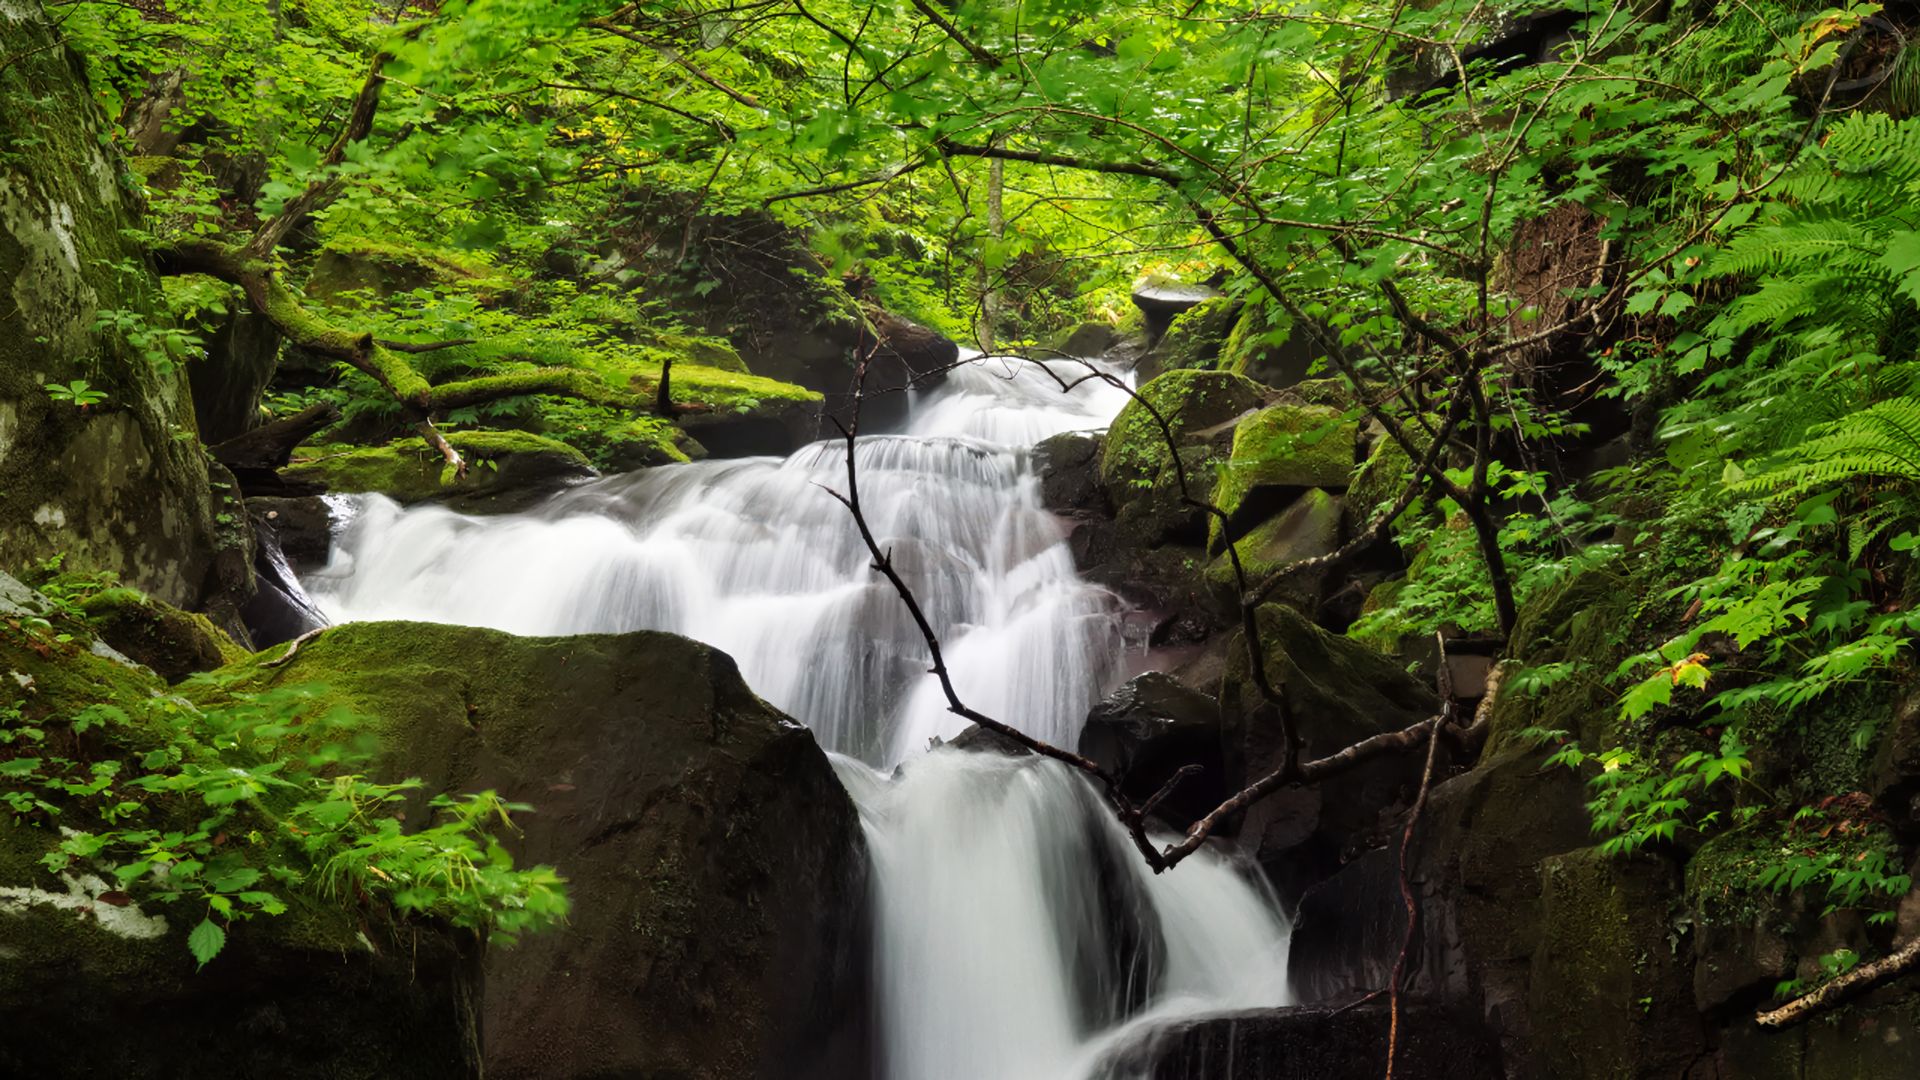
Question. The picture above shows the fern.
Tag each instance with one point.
(1882, 440)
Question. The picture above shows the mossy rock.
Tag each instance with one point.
(95, 982)
(1197, 405)
(1381, 479)
(410, 471)
(383, 269)
(1264, 348)
(714, 863)
(121, 485)
(1087, 339)
(1195, 338)
(1277, 452)
(174, 643)
(1309, 527)
(1610, 990)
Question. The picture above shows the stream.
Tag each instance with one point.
(1017, 934)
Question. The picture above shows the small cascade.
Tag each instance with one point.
(1017, 933)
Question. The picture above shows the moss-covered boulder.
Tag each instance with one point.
(715, 864)
(118, 483)
(1264, 348)
(1610, 991)
(174, 643)
(1194, 339)
(1198, 406)
(499, 464)
(94, 982)
(1277, 453)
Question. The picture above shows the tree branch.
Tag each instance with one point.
(1851, 985)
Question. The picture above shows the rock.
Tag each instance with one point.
(174, 643)
(1607, 976)
(1194, 339)
(715, 864)
(1278, 452)
(1146, 731)
(1308, 528)
(918, 352)
(981, 740)
(1264, 348)
(1873, 1038)
(1160, 301)
(302, 526)
(96, 983)
(109, 484)
(243, 349)
(1197, 405)
(1068, 465)
(381, 269)
(1893, 779)
(1089, 339)
(1320, 1042)
(1339, 692)
(506, 469)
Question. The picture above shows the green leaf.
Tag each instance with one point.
(206, 941)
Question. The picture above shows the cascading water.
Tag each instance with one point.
(1017, 934)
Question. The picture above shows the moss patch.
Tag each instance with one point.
(1192, 402)
(409, 470)
(174, 643)
(1197, 335)
(1285, 446)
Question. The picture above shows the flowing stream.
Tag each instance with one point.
(1017, 934)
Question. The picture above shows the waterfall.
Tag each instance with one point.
(1017, 933)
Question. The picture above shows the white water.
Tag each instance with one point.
(1018, 935)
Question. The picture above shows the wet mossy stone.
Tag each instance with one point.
(1277, 453)
(120, 485)
(382, 269)
(1197, 405)
(1264, 347)
(1089, 339)
(1309, 527)
(410, 471)
(715, 864)
(174, 643)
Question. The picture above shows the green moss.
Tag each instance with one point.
(1192, 403)
(1292, 446)
(1309, 527)
(409, 470)
(382, 267)
(174, 643)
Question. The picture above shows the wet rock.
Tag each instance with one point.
(1200, 407)
(1148, 730)
(302, 526)
(715, 865)
(1339, 692)
(1308, 528)
(243, 349)
(1068, 465)
(1089, 339)
(1313, 1042)
(984, 740)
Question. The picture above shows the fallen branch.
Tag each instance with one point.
(1851, 985)
(294, 646)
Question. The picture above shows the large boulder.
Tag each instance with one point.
(1199, 407)
(1279, 453)
(119, 483)
(715, 864)
(1194, 339)
(174, 643)
(1147, 731)
(1308, 528)
(96, 982)
(1068, 465)
(1265, 347)
(1338, 692)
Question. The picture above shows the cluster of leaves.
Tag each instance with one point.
(255, 807)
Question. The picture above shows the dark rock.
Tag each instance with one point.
(1068, 465)
(1194, 339)
(715, 865)
(1338, 692)
(243, 348)
(1313, 1042)
(303, 527)
(1893, 779)
(1149, 729)
(984, 740)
